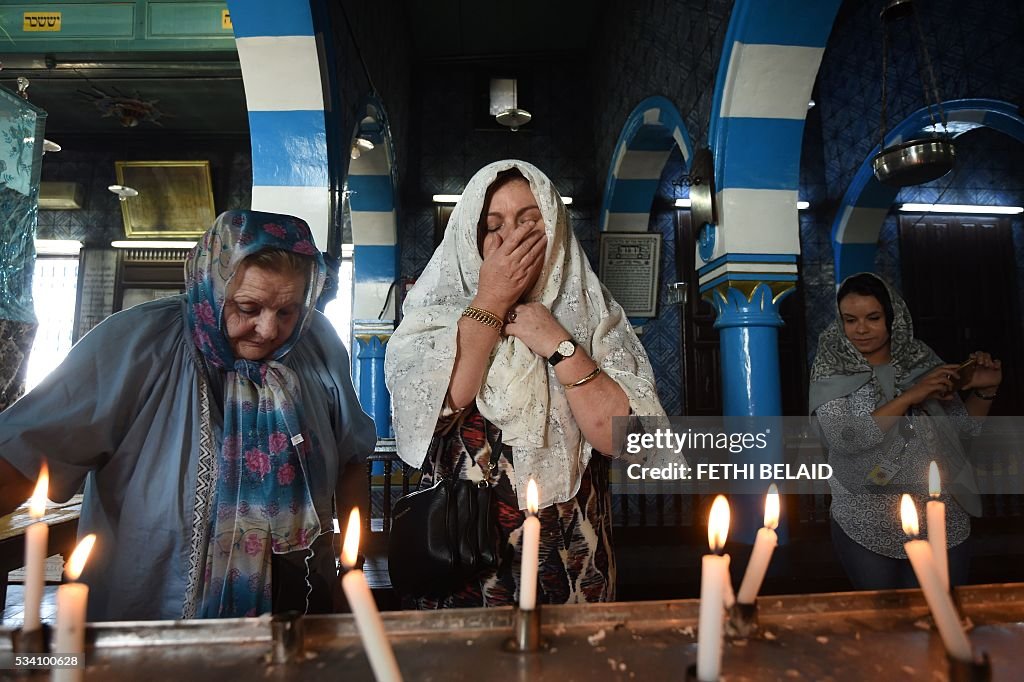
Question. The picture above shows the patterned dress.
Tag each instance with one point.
(576, 559)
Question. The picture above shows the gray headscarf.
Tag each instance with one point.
(839, 369)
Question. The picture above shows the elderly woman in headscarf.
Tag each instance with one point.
(887, 406)
(211, 430)
(509, 342)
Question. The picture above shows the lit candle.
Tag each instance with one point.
(936, 513)
(943, 613)
(364, 608)
(764, 546)
(713, 574)
(72, 598)
(35, 552)
(531, 551)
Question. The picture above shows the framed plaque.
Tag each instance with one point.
(629, 266)
(175, 198)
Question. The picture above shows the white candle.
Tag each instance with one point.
(35, 552)
(364, 609)
(72, 598)
(764, 546)
(943, 612)
(714, 572)
(936, 513)
(728, 596)
(531, 551)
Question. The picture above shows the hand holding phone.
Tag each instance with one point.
(966, 372)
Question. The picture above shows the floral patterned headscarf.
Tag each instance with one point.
(262, 502)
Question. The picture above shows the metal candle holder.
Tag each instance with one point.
(742, 622)
(970, 671)
(287, 634)
(525, 632)
(35, 641)
(691, 673)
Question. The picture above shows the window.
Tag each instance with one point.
(339, 311)
(54, 288)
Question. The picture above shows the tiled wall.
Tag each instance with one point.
(91, 163)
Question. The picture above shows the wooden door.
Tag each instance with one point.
(960, 281)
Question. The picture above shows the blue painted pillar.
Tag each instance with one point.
(371, 339)
(748, 322)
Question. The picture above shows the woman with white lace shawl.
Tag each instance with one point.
(510, 341)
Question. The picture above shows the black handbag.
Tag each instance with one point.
(443, 536)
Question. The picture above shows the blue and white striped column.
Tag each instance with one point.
(769, 63)
(375, 268)
(647, 138)
(284, 94)
(867, 201)
(748, 261)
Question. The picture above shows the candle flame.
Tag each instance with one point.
(37, 503)
(908, 513)
(532, 497)
(350, 549)
(77, 561)
(934, 482)
(771, 507)
(718, 524)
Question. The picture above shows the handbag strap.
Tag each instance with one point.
(492, 464)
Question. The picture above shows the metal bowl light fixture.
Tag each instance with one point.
(505, 104)
(917, 161)
(123, 192)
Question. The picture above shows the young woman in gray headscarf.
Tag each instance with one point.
(870, 381)
(510, 342)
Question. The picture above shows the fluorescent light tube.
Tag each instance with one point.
(454, 198)
(960, 208)
(58, 247)
(148, 244)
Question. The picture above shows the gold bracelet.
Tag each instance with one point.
(484, 317)
(588, 378)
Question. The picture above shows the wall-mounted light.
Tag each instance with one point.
(123, 192)
(454, 199)
(150, 244)
(960, 208)
(360, 145)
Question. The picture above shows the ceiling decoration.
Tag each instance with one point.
(129, 111)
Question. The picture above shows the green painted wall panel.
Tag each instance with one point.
(186, 20)
(117, 26)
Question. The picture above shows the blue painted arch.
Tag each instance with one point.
(650, 132)
(867, 201)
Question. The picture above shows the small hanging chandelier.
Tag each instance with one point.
(912, 162)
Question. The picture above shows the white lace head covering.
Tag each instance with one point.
(520, 392)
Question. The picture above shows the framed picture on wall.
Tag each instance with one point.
(175, 198)
(629, 266)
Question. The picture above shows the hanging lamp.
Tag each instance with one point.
(920, 160)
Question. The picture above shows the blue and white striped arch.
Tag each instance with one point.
(867, 201)
(643, 147)
(769, 63)
(371, 189)
(284, 94)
